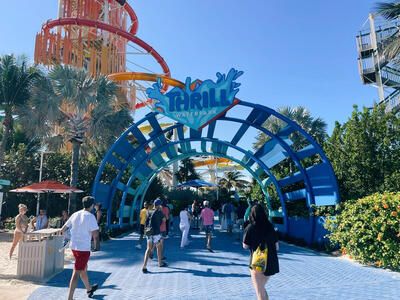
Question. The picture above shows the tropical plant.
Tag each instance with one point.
(16, 78)
(233, 180)
(365, 153)
(186, 171)
(390, 46)
(70, 108)
(369, 229)
(315, 127)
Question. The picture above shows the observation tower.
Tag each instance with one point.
(375, 67)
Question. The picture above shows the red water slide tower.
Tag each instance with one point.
(100, 36)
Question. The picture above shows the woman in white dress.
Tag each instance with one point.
(184, 226)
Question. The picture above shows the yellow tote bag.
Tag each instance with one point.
(259, 259)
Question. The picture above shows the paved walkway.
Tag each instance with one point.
(197, 274)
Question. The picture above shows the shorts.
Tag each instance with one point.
(163, 234)
(155, 239)
(141, 229)
(81, 259)
(208, 228)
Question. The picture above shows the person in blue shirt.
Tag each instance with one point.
(41, 221)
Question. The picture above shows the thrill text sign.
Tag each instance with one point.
(199, 103)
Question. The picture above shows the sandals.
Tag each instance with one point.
(163, 264)
(93, 289)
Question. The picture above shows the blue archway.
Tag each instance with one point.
(311, 179)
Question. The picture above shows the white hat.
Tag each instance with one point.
(206, 203)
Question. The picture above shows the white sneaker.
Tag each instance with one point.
(139, 247)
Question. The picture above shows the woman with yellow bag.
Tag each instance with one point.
(262, 240)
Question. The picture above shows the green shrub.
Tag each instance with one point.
(9, 223)
(369, 229)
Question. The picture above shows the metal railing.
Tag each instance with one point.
(392, 102)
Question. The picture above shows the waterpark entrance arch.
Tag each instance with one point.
(137, 158)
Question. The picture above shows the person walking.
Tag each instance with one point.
(240, 215)
(83, 227)
(207, 222)
(260, 234)
(142, 216)
(99, 219)
(227, 210)
(163, 230)
(247, 213)
(170, 223)
(21, 226)
(184, 226)
(196, 209)
(41, 221)
(164, 225)
(153, 222)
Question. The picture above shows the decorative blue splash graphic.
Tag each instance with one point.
(198, 106)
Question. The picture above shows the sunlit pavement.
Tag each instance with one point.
(197, 274)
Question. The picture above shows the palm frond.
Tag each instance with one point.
(389, 10)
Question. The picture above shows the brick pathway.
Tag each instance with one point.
(197, 274)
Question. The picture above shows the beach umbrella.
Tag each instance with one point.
(48, 187)
(196, 183)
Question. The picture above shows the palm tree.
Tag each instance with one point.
(390, 11)
(70, 108)
(314, 127)
(233, 179)
(16, 79)
(186, 171)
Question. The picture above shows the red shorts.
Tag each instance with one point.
(81, 259)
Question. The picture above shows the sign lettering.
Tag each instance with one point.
(199, 103)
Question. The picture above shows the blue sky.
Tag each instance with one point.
(292, 52)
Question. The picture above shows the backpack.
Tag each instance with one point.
(148, 229)
(259, 259)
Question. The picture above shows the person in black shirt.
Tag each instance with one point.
(155, 218)
(99, 219)
(258, 233)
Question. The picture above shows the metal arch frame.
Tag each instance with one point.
(305, 134)
(142, 189)
(149, 156)
(156, 150)
(164, 147)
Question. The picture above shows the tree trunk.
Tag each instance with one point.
(74, 175)
(7, 128)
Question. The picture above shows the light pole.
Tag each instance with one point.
(40, 178)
